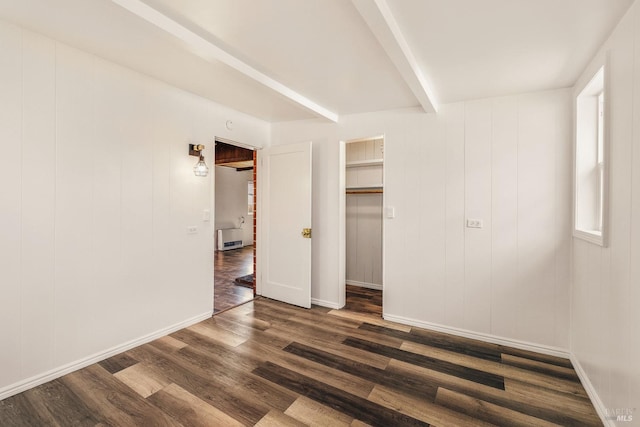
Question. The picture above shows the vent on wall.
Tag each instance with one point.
(229, 238)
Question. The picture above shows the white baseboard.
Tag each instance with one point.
(523, 345)
(328, 304)
(375, 286)
(591, 391)
(58, 372)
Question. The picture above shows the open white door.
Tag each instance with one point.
(286, 207)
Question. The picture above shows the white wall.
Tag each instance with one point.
(231, 201)
(506, 161)
(97, 190)
(606, 281)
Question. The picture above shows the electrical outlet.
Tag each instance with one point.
(192, 229)
(474, 223)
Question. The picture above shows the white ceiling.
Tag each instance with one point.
(312, 56)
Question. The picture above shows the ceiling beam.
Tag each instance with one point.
(226, 153)
(210, 51)
(380, 20)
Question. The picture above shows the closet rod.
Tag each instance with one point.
(373, 191)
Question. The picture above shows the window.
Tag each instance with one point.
(250, 197)
(591, 161)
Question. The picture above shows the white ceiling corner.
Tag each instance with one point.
(384, 26)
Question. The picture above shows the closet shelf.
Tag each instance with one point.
(360, 163)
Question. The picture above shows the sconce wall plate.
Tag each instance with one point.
(195, 149)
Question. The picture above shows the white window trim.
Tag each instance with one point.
(598, 237)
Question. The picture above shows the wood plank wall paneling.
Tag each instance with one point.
(364, 239)
(505, 161)
(267, 362)
(605, 292)
(11, 106)
(97, 191)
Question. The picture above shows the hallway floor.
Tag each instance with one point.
(228, 266)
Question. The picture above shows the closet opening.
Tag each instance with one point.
(364, 195)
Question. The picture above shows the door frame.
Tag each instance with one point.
(256, 150)
(342, 218)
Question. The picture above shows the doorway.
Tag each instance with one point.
(364, 191)
(235, 224)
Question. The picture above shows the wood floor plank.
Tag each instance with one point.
(352, 332)
(507, 371)
(301, 330)
(279, 419)
(18, 411)
(423, 409)
(311, 413)
(117, 363)
(527, 404)
(371, 319)
(486, 411)
(63, 405)
(431, 363)
(446, 342)
(169, 343)
(214, 332)
(344, 381)
(545, 358)
(376, 375)
(208, 386)
(353, 406)
(541, 367)
(189, 410)
(356, 354)
(241, 324)
(232, 376)
(142, 380)
(578, 403)
(112, 400)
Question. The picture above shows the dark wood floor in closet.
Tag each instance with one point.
(228, 266)
(270, 364)
(364, 300)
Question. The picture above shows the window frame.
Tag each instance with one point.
(600, 167)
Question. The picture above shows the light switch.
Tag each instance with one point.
(206, 215)
(390, 212)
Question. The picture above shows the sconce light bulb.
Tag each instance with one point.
(201, 169)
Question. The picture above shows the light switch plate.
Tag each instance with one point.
(206, 215)
(474, 223)
(390, 212)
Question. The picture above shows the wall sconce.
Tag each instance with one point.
(200, 169)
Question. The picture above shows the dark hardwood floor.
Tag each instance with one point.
(228, 265)
(270, 364)
(364, 300)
